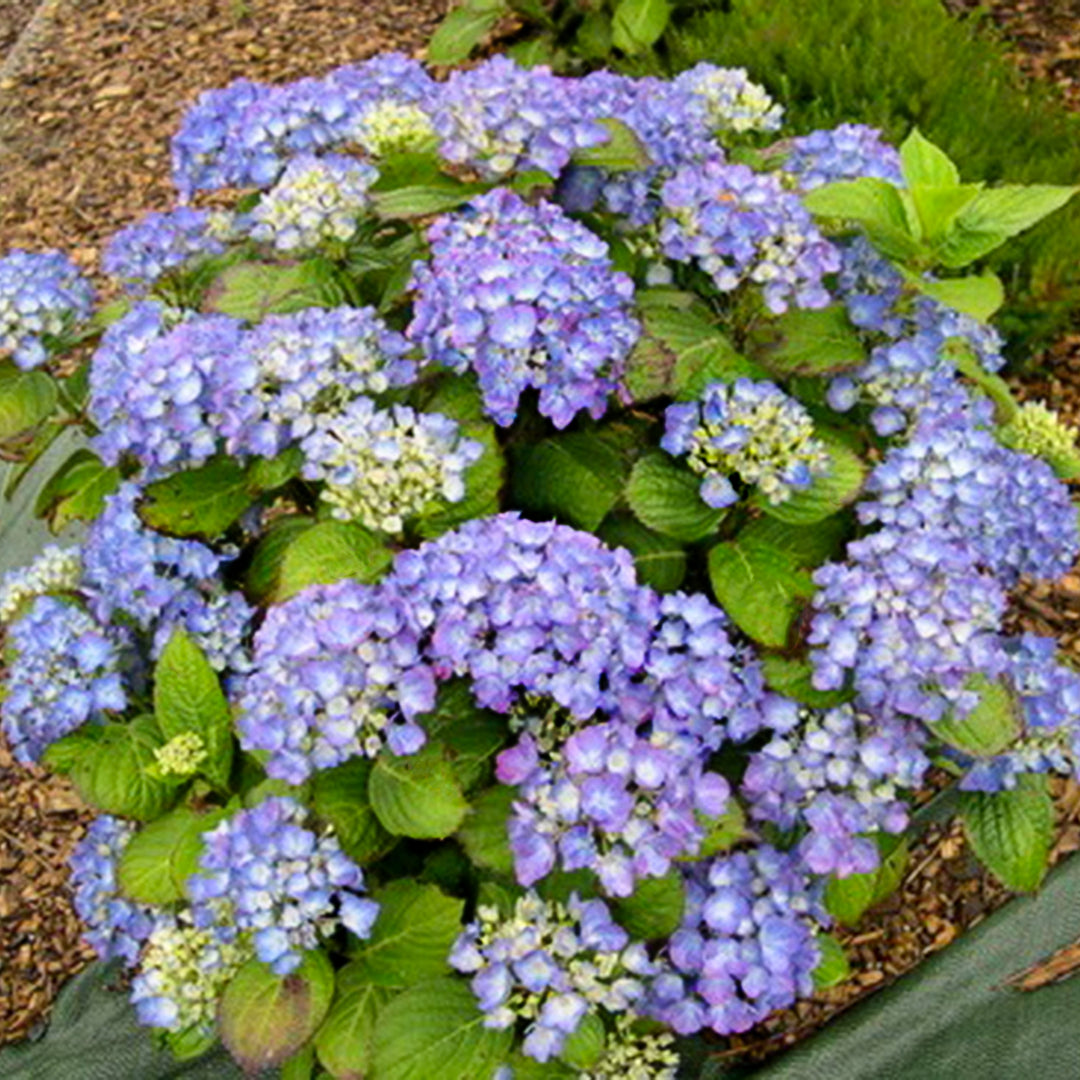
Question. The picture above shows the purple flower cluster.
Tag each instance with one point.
(953, 479)
(262, 872)
(525, 297)
(337, 673)
(607, 798)
(739, 225)
(115, 926)
(733, 103)
(847, 152)
(42, 294)
(911, 617)
(141, 254)
(66, 670)
(746, 946)
(839, 774)
(498, 118)
(552, 963)
(245, 134)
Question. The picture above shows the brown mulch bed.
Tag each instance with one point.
(84, 125)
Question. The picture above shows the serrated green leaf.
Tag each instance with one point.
(470, 735)
(636, 25)
(416, 927)
(924, 163)
(761, 588)
(253, 290)
(584, 1047)
(268, 474)
(874, 204)
(938, 207)
(810, 342)
(262, 579)
(990, 727)
(462, 30)
(666, 498)
(417, 795)
(659, 561)
(577, 478)
(188, 697)
(655, 909)
(1012, 831)
(77, 490)
(978, 297)
(436, 1029)
(808, 545)
(483, 834)
(340, 797)
(26, 398)
(833, 967)
(622, 152)
(829, 492)
(264, 1019)
(721, 833)
(793, 678)
(421, 200)
(484, 481)
(848, 899)
(593, 39)
(199, 502)
(345, 1043)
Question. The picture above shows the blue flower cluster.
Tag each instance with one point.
(337, 673)
(116, 927)
(739, 225)
(847, 152)
(839, 774)
(553, 964)
(746, 946)
(55, 570)
(752, 429)
(525, 297)
(42, 294)
(243, 135)
(141, 254)
(953, 479)
(262, 872)
(66, 670)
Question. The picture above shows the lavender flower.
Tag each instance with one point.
(550, 964)
(732, 102)
(115, 926)
(55, 570)
(749, 428)
(525, 297)
(42, 295)
(847, 152)
(739, 225)
(66, 671)
(262, 872)
(746, 946)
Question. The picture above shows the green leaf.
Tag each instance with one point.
(848, 899)
(794, 679)
(829, 492)
(416, 927)
(808, 545)
(577, 478)
(345, 1043)
(1012, 831)
(253, 290)
(421, 200)
(318, 554)
(762, 589)
(532, 52)
(77, 490)
(301, 1065)
(874, 204)
(623, 151)
(483, 834)
(833, 967)
(666, 497)
(188, 697)
(809, 342)
(978, 297)
(268, 474)
(655, 909)
(639, 24)
(925, 163)
(584, 1047)
(938, 208)
(470, 735)
(991, 726)
(340, 797)
(721, 833)
(26, 398)
(462, 30)
(264, 1019)
(436, 1029)
(417, 795)
(199, 502)
(113, 774)
(997, 214)
(159, 859)
(484, 481)
(593, 39)
(659, 562)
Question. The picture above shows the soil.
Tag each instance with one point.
(90, 91)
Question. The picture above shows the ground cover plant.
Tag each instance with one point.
(539, 537)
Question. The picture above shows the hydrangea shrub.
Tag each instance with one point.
(543, 537)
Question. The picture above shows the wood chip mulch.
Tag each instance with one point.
(84, 123)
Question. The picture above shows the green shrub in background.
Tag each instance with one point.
(900, 63)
